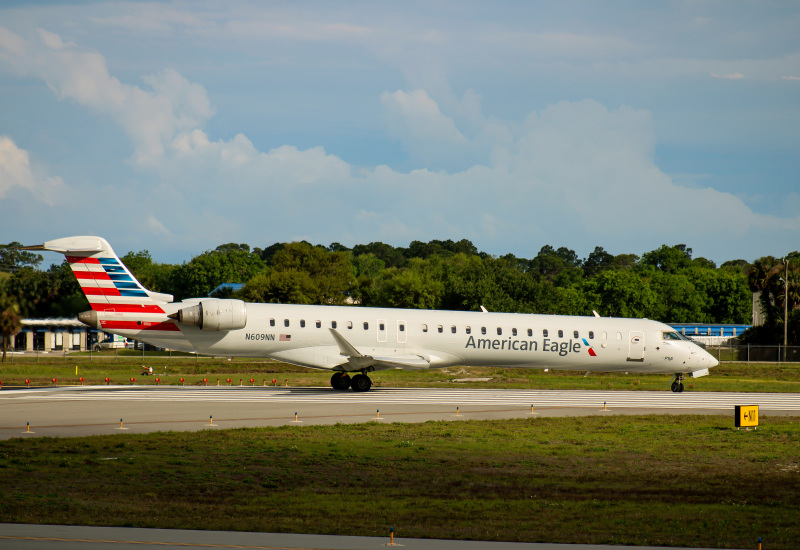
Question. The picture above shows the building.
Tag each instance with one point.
(710, 334)
(55, 335)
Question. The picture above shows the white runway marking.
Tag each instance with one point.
(422, 396)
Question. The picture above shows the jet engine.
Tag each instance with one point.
(214, 315)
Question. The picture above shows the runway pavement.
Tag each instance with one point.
(60, 537)
(91, 410)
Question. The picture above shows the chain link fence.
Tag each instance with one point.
(746, 353)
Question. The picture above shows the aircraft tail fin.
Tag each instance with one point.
(117, 299)
(103, 278)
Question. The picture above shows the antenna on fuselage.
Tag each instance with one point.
(483, 309)
(595, 313)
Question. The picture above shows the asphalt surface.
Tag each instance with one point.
(93, 410)
(60, 537)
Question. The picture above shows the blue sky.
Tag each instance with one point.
(178, 126)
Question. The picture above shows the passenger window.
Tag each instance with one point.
(286, 322)
(366, 325)
(302, 323)
(272, 322)
(483, 330)
(545, 333)
(530, 332)
(591, 335)
(513, 332)
(453, 329)
(440, 329)
(604, 335)
(560, 333)
(499, 331)
(333, 324)
(318, 323)
(619, 336)
(575, 334)
(468, 330)
(424, 328)
(350, 325)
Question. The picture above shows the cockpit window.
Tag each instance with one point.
(671, 336)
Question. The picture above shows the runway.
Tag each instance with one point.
(92, 410)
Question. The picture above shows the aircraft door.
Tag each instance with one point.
(381, 325)
(402, 332)
(636, 348)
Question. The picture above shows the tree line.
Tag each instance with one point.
(666, 284)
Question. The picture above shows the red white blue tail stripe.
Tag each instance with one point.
(120, 301)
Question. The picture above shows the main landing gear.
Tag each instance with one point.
(342, 381)
(677, 383)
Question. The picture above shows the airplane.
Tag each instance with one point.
(352, 342)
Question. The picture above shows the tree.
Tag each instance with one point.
(768, 276)
(332, 272)
(51, 293)
(268, 253)
(599, 260)
(282, 287)
(670, 259)
(391, 256)
(561, 267)
(153, 276)
(622, 294)
(12, 259)
(10, 320)
(741, 266)
(409, 288)
(205, 272)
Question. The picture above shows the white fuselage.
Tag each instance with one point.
(301, 334)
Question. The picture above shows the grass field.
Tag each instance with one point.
(753, 377)
(650, 480)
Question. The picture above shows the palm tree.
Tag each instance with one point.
(10, 320)
(776, 282)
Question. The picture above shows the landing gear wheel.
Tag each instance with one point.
(677, 384)
(361, 382)
(340, 381)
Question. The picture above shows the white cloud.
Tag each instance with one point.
(16, 171)
(729, 76)
(574, 172)
(151, 119)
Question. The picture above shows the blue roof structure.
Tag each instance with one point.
(701, 329)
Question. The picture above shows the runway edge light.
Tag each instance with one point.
(746, 416)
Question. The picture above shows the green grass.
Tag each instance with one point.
(755, 377)
(650, 480)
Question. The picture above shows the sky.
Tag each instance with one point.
(178, 126)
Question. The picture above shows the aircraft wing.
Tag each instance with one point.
(359, 361)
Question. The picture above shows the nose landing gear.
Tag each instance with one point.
(677, 383)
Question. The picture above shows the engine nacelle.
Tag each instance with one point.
(214, 315)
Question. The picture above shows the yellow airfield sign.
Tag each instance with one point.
(746, 416)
